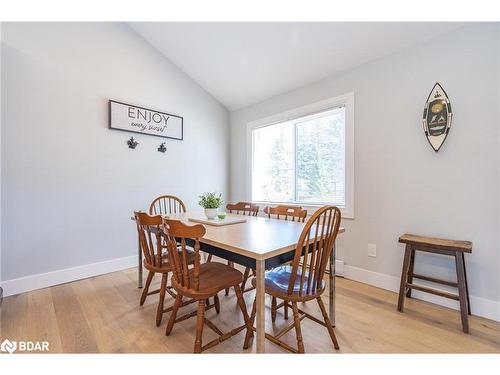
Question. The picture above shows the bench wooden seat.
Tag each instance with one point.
(437, 243)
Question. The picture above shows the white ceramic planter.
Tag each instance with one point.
(211, 213)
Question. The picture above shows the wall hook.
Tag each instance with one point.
(132, 143)
(162, 147)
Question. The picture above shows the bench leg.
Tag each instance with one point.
(410, 271)
(466, 285)
(462, 291)
(404, 277)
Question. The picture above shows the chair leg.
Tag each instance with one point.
(146, 287)
(173, 314)
(298, 331)
(249, 334)
(273, 309)
(285, 309)
(199, 326)
(243, 308)
(245, 278)
(328, 323)
(163, 289)
(209, 259)
(230, 264)
(217, 304)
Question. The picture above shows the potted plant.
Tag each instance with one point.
(211, 203)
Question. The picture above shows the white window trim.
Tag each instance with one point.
(346, 100)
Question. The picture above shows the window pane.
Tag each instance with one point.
(273, 163)
(321, 159)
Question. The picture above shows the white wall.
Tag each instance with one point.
(69, 184)
(401, 184)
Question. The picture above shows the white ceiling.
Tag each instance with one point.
(241, 64)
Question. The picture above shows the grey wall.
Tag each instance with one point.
(401, 184)
(69, 184)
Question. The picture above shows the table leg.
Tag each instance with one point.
(260, 306)
(139, 265)
(331, 286)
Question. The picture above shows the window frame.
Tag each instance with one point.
(346, 100)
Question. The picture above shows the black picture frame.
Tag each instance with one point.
(147, 109)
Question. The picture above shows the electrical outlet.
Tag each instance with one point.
(372, 250)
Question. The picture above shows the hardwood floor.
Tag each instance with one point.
(102, 314)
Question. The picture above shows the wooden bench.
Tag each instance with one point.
(452, 248)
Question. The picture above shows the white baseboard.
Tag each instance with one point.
(339, 267)
(44, 280)
(483, 307)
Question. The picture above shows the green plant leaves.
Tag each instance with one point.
(210, 200)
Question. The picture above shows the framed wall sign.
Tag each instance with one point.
(141, 120)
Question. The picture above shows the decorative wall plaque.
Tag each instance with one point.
(437, 117)
(141, 120)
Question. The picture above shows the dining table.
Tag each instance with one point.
(259, 243)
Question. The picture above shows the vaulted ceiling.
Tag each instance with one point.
(241, 64)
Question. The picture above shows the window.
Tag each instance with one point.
(305, 156)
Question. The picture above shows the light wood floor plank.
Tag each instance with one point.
(14, 317)
(41, 322)
(109, 336)
(76, 335)
(102, 314)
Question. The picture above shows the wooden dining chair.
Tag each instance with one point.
(293, 213)
(200, 282)
(303, 280)
(167, 204)
(248, 209)
(243, 208)
(164, 205)
(155, 258)
(284, 212)
(154, 249)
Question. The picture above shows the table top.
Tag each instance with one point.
(258, 238)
